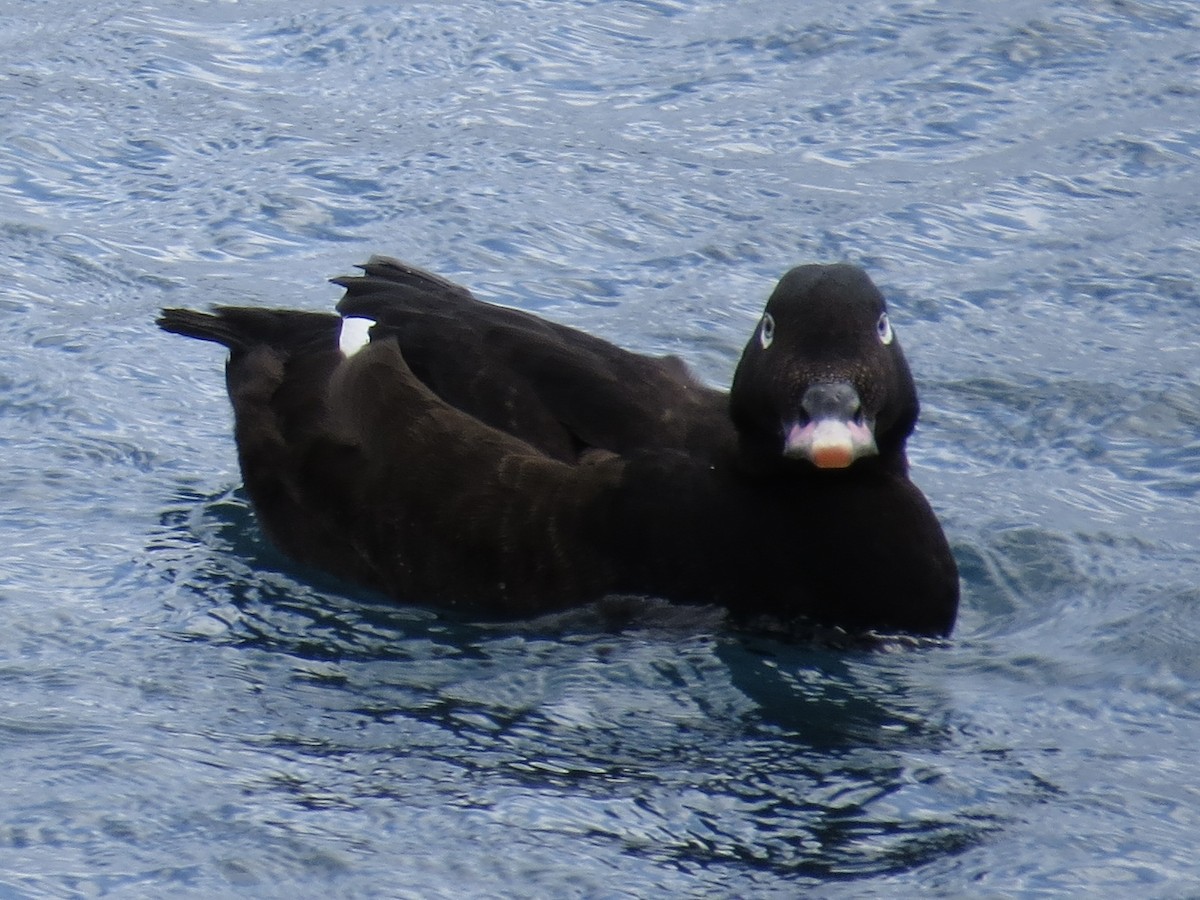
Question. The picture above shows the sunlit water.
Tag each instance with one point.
(183, 712)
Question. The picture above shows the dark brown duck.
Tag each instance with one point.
(454, 453)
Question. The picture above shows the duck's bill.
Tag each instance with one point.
(829, 443)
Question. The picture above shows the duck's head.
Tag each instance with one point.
(823, 381)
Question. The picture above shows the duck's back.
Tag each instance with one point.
(561, 390)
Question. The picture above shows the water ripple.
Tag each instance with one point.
(1019, 179)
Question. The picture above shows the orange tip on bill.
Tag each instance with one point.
(832, 456)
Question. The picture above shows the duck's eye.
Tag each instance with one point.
(766, 333)
(884, 327)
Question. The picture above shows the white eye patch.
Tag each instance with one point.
(766, 331)
(356, 334)
(884, 327)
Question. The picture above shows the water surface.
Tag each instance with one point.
(183, 712)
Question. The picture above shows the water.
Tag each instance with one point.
(184, 713)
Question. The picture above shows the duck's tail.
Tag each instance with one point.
(242, 328)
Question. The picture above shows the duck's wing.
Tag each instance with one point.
(560, 389)
(453, 511)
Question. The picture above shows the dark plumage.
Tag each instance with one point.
(479, 457)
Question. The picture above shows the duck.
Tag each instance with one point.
(457, 454)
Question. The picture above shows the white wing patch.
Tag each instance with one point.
(355, 335)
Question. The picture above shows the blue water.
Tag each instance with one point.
(182, 712)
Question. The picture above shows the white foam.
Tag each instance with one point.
(355, 335)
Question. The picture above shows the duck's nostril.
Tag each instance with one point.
(832, 400)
